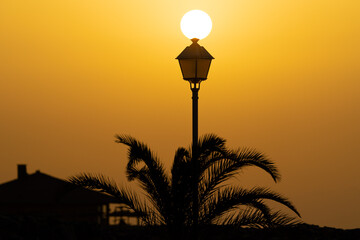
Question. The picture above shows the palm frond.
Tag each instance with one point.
(216, 174)
(231, 198)
(146, 183)
(252, 217)
(104, 184)
(181, 174)
(220, 167)
(280, 219)
(251, 157)
(180, 167)
(249, 217)
(245, 157)
(155, 172)
(266, 193)
(181, 186)
(209, 144)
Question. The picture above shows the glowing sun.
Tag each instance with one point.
(196, 24)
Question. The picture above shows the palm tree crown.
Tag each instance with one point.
(169, 198)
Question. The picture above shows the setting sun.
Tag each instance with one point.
(196, 24)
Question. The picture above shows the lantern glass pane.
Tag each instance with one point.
(188, 68)
(203, 66)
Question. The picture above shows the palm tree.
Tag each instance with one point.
(170, 198)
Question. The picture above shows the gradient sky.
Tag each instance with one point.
(285, 80)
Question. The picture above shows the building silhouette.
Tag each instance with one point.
(41, 195)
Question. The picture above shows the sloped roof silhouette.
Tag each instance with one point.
(40, 188)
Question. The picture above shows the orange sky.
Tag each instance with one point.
(285, 80)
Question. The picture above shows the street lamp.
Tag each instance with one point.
(195, 63)
(194, 60)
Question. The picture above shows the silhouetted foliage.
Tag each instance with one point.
(170, 198)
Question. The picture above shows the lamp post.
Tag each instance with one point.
(195, 63)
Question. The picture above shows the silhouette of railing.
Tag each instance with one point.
(124, 216)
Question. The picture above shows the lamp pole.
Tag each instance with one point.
(195, 64)
(195, 119)
(195, 167)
